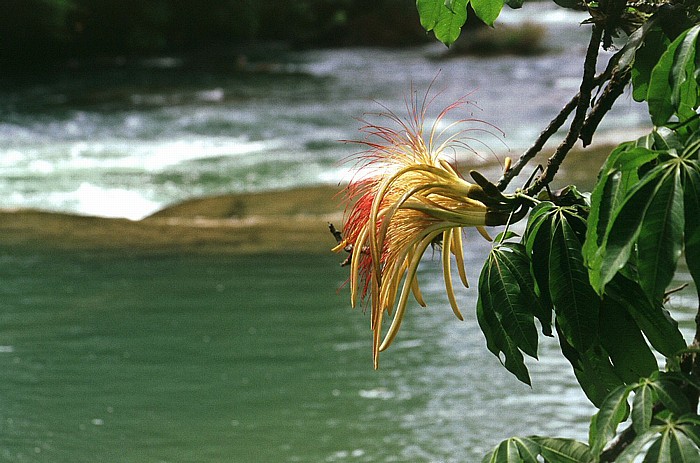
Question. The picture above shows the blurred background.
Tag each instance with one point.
(120, 108)
(133, 352)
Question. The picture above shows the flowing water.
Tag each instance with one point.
(116, 357)
(126, 142)
(121, 358)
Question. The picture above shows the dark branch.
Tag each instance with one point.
(587, 84)
(613, 90)
(546, 134)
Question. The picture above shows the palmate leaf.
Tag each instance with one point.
(673, 446)
(575, 302)
(508, 300)
(683, 450)
(691, 205)
(640, 442)
(655, 322)
(558, 450)
(658, 187)
(514, 450)
(671, 396)
(553, 240)
(537, 240)
(645, 58)
(642, 408)
(445, 19)
(660, 450)
(613, 411)
(498, 340)
(621, 338)
(504, 312)
(592, 369)
(690, 426)
(672, 84)
(660, 239)
(617, 176)
(514, 257)
(685, 88)
(621, 232)
(537, 246)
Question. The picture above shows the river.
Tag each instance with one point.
(117, 357)
(128, 141)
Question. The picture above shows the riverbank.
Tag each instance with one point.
(278, 221)
(295, 220)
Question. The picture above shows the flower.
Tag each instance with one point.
(404, 197)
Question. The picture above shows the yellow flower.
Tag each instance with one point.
(406, 196)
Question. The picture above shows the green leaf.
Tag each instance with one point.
(691, 203)
(514, 257)
(660, 238)
(498, 341)
(575, 302)
(638, 444)
(537, 246)
(617, 176)
(684, 94)
(514, 450)
(642, 408)
(613, 411)
(671, 396)
(527, 448)
(660, 450)
(682, 448)
(429, 12)
(558, 450)
(657, 325)
(487, 10)
(660, 84)
(446, 22)
(507, 452)
(622, 339)
(592, 368)
(626, 56)
(624, 228)
(509, 303)
(645, 59)
(506, 307)
(690, 427)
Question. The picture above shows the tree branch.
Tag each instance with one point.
(587, 84)
(546, 134)
(619, 79)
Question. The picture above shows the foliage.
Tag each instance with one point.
(594, 269)
(36, 31)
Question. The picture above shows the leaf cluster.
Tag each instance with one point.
(664, 424)
(594, 269)
(445, 18)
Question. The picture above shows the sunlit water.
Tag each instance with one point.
(129, 141)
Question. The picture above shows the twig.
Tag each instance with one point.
(615, 87)
(546, 134)
(587, 84)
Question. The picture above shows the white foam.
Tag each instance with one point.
(89, 199)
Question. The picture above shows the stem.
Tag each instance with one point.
(616, 85)
(546, 134)
(587, 84)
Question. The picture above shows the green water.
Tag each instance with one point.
(123, 358)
